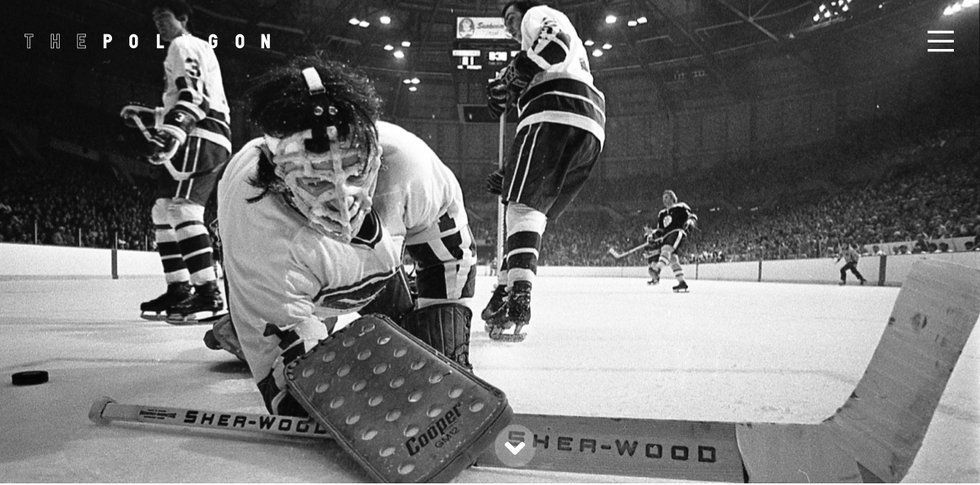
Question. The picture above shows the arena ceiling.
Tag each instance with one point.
(673, 30)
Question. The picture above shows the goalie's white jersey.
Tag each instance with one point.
(284, 272)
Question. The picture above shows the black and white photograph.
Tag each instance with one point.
(475, 241)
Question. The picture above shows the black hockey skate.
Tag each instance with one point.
(681, 287)
(496, 302)
(156, 309)
(516, 313)
(654, 278)
(206, 299)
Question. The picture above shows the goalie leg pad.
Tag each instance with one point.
(446, 328)
(404, 412)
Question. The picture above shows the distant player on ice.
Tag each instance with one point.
(190, 134)
(673, 222)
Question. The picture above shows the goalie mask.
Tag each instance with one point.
(331, 170)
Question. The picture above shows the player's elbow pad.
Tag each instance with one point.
(551, 48)
(179, 123)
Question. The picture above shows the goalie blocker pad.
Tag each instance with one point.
(404, 412)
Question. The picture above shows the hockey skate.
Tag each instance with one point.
(681, 287)
(515, 313)
(206, 299)
(654, 277)
(156, 309)
(496, 302)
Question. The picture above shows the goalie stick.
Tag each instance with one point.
(874, 436)
(618, 255)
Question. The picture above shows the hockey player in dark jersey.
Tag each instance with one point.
(560, 131)
(652, 252)
(673, 222)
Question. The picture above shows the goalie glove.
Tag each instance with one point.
(495, 182)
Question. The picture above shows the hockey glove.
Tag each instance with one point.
(497, 95)
(164, 146)
(171, 135)
(495, 182)
(519, 73)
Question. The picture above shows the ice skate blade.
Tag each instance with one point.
(497, 334)
(198, 318)
(681, 291)
(154, 317)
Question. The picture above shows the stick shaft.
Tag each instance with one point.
(629, 252)
(199, 418)
(500, 203)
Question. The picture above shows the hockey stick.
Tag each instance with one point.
(500, 202)
(874, 436)
(618, 255)
(105, 410)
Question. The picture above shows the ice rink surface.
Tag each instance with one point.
(613, 347)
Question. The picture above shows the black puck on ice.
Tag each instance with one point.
(29, 378)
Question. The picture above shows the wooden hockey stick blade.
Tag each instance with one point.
(873, 437)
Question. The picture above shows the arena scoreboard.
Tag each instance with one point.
(483, 56)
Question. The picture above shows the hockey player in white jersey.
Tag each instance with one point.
(190, 135)
(560, 132)
(314, 216)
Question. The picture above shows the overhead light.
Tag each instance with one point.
(389, 47)
(406, 43)
(597, 53)
(398, 54)
(413, 88)
(354, 21)
(364, 24)
(406, 81)
(415, 80)
(641, 20)
(384, 19)
(589, 43)
(606, 46)
(631, 23)
(610, 19)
